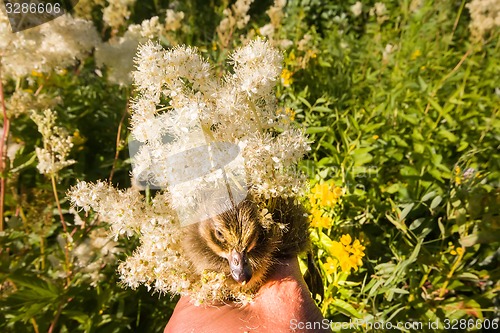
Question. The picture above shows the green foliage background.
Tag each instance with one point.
(411, 136)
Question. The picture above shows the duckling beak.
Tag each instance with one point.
(240, 269)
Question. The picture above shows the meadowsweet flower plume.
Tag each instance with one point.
(84, 8)
(379, 10)
(117, 54)
(276, 14)
(117, 12)
(54, 45)
(23, 101)
(57, 144)
(94, 253)
(235, 17)
(357, 9)
(485, 18)
(183, 115)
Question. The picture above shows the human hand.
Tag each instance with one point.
(279, 305)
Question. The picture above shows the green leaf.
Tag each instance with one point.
(445, 134)
(23, 162)
(385, 268)
(321, 109)
(79, 316)
(393, 188)
(428, 196)
(399, 291)
(415, 224)
(435, 173)
(304, 101)
(313, 130)
(482, 237)
(407, 209)
(345, 308)
(421, 82)
(361, 159)
(323, 63)
(408, 171)
(436, 201)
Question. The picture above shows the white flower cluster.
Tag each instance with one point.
(271, 164)
(234, 17)
(181, 109)
(117, 12)
(159, 262)
(93, 254)
(275, 13)
(240, 110)
(485, 16)
(57, 144)
(117, 54)
(380, 11)
(23, 102)
(173, 20)
(84, 8)
(357, 9)
(53, 45)
(415, 5)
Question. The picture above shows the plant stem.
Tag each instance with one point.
(65, 228)
(457, 66)
(56, 197)
(3, 151)
(35, 325)
(118, 139)
(457, 19)
(452, 271)
(58, 314)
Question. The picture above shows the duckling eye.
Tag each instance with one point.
(218, 235)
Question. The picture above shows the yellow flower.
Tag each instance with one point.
(415, 54)
(348, 256)
(290, 113)
(286, 77)
(318, 220)
(311, 54)
(459, 251)
(330, 265)
(375, 137)
(357, 249)
(346, 239)
(78, 140)
(458, 179)
(325, 195)
(36, 74)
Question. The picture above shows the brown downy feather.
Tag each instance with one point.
(238, 244)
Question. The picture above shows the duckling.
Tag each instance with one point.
(241, 244)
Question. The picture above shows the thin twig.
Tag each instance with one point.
(65, 228)
(455, 25)
(457, 262)
(457, 66)
(3, 151)
(56, 319)
(56, 197)
(58, 314)
(35, 325)
(118, 139)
